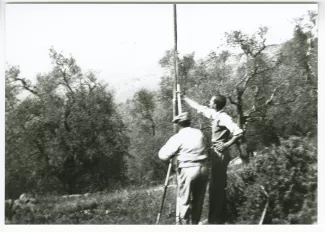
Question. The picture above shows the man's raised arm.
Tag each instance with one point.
(191, 103)
(206, 111)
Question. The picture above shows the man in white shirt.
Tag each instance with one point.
(189, 147)
(224, 133)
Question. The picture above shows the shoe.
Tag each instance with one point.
(204, 222)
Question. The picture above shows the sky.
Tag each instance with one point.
(123, 43)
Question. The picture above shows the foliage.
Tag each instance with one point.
(289, 175)
(66, 136)
(287, 172)
(147, 131)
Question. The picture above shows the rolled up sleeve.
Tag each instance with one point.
(169, 149)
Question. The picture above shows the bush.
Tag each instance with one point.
(288, 173)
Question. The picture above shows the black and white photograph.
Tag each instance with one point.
(161, 113)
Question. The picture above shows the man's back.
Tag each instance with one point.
(189, 147)
(189, 144)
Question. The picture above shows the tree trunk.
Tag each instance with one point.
(240, 112)
(153, 129)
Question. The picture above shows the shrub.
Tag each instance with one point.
(288, 173)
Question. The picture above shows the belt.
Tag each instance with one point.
(194, 163)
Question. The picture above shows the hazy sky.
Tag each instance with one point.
(123, 43)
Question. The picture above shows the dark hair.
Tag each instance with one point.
(220, 101)
(185, 123)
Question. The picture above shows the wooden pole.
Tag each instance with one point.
(175, 113)
(164, 194)
(175, 68)
(266, 205)
(179, 100)
(175, 104)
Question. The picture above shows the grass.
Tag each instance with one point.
(127, 207)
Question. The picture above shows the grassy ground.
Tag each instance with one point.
(125, 207)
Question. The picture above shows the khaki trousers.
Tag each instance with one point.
(192, 182)
(217, 186)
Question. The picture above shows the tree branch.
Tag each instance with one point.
(242, 80)
(249, 78)
(232, 101)
(256, 91)
(286, 102)
(261, 49)
(250, 112)
(25, 86)
(65, 117)
(67, 83)
(269, 101)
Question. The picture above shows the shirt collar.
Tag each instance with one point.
(184, 128)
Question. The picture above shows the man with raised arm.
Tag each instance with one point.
(224, 133)
(189, 147)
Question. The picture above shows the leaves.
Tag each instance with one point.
(289, 176)
(73, 133)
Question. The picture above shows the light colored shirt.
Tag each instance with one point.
(189, 146)
(222, 124)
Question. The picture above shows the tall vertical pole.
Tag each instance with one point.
(175, 68)
(175, 102)
(176, 88)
